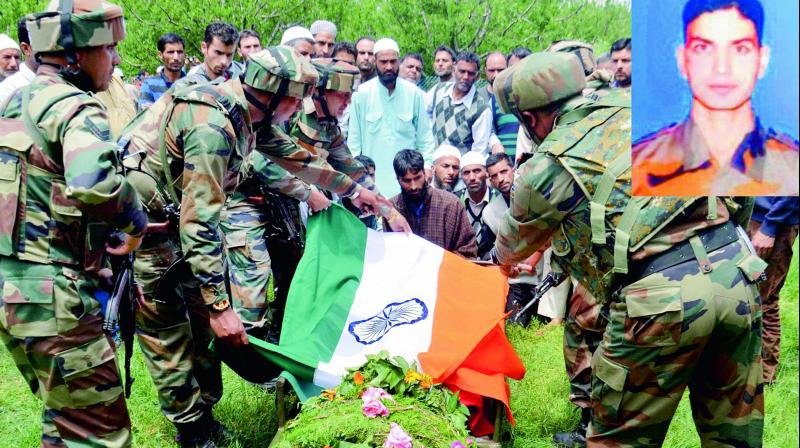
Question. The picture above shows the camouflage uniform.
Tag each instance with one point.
(61, 193)
(207, 137)
(246, 228)
(678, 280)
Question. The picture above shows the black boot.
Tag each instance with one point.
(194, 435)
(577, 437)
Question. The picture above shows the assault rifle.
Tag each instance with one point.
(283, 218)
(120, 308)
(550, 280)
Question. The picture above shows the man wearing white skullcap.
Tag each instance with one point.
(27, 69)
(324, 33)
(446, 164)
(476, 196)
(9, 56)
(387, 115)
(300, 39)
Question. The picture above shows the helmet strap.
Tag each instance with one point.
(319, 94)
(67, 37)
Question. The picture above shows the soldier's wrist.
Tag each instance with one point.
(213, 294)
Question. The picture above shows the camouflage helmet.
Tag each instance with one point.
(539, 80)
(66, 25)
(336, 75)
(584, 52)
(281, 71)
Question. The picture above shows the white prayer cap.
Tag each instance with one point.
(445, 150)
(296, 32)
(385, 44)
(7, 42)
(473, 158)
(323, 26)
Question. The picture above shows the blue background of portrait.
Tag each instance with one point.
(661, 96)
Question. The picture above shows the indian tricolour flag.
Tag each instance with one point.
(357, 292)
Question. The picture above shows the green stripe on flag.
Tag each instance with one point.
(324, 285)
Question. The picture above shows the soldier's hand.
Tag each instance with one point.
(763, 244)
(369, 202)
(228, 328)
(129, 244)
(513, 270)
(318, 201)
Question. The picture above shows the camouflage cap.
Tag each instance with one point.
(336, 75)
(538, 80)
(281, 70)
(584, 52)
(92, 23)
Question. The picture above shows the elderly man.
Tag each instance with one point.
(27, 70)
(461, 113)
(300, 39)
(387, 115)
(446, 164)
(324, 33)
(435, 215)
(9, 56)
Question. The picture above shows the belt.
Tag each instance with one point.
(712, 239)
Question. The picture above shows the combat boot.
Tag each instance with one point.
(577, 437)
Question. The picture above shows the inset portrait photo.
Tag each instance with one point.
(715, 108)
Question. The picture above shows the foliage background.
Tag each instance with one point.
(417, 25)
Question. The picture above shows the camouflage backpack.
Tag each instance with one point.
(38, 221)
(592, 142)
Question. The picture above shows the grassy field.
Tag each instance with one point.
(539, 401)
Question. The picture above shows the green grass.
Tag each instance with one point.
(539, 401)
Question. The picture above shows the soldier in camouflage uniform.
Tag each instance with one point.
(62, 191)
(677, 277)
(314, 128)
(189, 150)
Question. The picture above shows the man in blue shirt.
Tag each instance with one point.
(170, 50)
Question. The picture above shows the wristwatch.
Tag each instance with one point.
(218, 307)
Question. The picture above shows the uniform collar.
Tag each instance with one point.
(696, 153)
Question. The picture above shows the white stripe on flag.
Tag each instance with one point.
(397, 268)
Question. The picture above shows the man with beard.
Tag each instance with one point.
(504, 126)
(300, 39)
(388, 115)
(217, 47)
(461, 114)
(324, 33)
(476, 196)
(27, 70)
(10, 54)
(172, 55)
(365, 59)
(446, 164)
(621, 62)
(433, 214)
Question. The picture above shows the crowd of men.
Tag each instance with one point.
(217, 166)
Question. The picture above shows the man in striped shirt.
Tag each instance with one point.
(170, 50)
(504, 126)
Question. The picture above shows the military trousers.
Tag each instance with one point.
(583, 331)
(174, 334)
(244, 225)
(687, 326)
(779, 259)
(51, 324)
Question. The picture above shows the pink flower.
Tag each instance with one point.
(457, 444)
(375, 393)
(397, 438)
(374, 408)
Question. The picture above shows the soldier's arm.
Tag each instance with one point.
(281, 149)
(277, 178)
(341, 159)
(91, 167)
(207, 148)
(544, 193)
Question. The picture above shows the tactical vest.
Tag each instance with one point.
(151, 168)
(592, 143)
(39, 222)
(453, 122)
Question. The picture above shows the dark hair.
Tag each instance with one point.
(498, 157)
(369, 38)
(751, 9)
(447, 49)
(411, 55)
(468, 56)
(22, 32)
(408, 160)
(168, 38)
(347, 47)
(519, 52)
(366, 161)
(225, 32)
(622, 44)
(249, 33)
